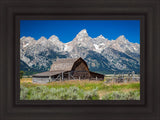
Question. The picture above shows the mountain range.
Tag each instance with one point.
(102, 55)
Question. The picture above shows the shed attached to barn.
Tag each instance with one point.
(67, 69)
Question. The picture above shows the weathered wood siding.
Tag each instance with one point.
(80, 70)
(96, 76)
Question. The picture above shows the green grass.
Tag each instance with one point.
(79, 90)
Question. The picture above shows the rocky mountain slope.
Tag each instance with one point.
(102, 55)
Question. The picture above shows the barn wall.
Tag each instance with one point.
(97, 76)
(80, 70)
(41, 80)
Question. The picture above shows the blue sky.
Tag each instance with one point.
(67, 30)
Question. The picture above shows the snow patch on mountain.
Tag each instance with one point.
(119, 54)
(98, 48)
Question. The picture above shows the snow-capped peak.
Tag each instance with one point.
(81, 37)
(54, 39)
(22, 38)
(121, 39)
(101, 36)
(82, 33)
(25, 41)
(42, 38)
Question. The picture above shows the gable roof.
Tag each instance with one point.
(59, 66)
(63, 64)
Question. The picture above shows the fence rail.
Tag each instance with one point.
(122, 78)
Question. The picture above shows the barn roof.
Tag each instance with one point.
(59, 66)
(63, 64)
(49, 73)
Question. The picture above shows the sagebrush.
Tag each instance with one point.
(79, 90)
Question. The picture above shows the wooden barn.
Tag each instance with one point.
(67, 69)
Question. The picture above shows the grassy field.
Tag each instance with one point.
(79, 90)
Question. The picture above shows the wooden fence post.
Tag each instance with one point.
(49, 78)
(62, 76)
(68, 75)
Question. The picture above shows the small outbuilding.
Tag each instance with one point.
(67, 69)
